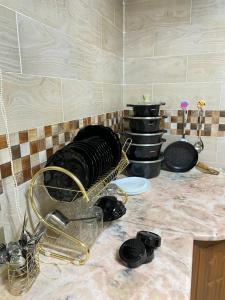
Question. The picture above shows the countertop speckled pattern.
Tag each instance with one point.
(179, 207)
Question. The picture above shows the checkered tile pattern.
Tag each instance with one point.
(31, 148)
(213, 122)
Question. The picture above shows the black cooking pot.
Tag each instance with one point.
(145, 109)
(145, 151)
(144, 124)
(146, 169)
(145, 138)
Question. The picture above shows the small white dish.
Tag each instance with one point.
(133, 185)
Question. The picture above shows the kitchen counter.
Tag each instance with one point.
(179, 207)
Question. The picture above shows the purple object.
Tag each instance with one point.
(184, 104)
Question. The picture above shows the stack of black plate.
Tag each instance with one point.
(93, 152)
(144, 152)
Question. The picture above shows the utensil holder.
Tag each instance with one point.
(21, 278)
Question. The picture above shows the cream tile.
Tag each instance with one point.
(109, 68)
(106, 8)
(222, 100)
(44, 11)
(157, 12)
(9, 52)
(139, 43)
(81, 99)
(47, 52)
(49, 143)
(25, 149)
(31, 101)
(207, 67)
(189, 39)
(220, 150)
(149, 70)
(210, 12)
(134, 93)
(172, 94)
(112, 38)
(42, 156)
(17, 165)
(4, 156)
(112, 97)
(78, 19)
(119, 15)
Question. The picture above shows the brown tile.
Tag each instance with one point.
(32, 135)
(187, 131)
(179, 125)
(66, 126)
(215, 117)
(1, 187)
(16, 152)
(208, 113)
(35, 169)
(26, 175)
(33, 147)
(221, 127)
(6, 170)
(67, 136)
(207, 129)
(19, 178)
(48, 131)
(55, 140)
(193, 126)
(222, 113)
(49, 152)
(173, 119)
(41, 145)
(61, 127)
(23, 136)
(3, 141)
(25, 162)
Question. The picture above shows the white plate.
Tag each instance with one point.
(133, 185)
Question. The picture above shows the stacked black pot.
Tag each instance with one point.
(146, 136)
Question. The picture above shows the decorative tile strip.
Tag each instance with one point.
(213, 122)
(31, 148)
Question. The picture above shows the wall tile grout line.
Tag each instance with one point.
(18, 39)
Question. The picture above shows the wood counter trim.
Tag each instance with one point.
(208, 271)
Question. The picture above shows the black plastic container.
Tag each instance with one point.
(145, 138)
(146, 169)
(145, 109)
(145, 151)
(144, 124)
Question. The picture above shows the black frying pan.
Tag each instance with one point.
(180, 156)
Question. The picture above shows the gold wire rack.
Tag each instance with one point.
(72, 244)
(21, 278)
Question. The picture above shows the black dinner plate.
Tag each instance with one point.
(105, 133)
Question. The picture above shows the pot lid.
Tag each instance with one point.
(147, 104)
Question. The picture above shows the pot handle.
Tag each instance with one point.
(206, 169)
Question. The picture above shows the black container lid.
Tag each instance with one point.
(146, 104)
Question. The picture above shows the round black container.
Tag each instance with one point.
(145, 138)
(146, 169)
(145, 151)
(146, 110)
(144, 124)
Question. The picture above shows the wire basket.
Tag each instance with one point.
(21, 278)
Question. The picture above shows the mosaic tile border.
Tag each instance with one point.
(31, 148)
(213, 122)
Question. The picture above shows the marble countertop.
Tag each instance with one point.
(179, 207)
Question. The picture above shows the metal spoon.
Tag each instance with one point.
(199, 146)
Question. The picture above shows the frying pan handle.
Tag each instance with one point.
(206, 169)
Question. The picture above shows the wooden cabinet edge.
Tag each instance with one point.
(204, 252)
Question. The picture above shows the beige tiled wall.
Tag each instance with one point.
(174, 50)
(57, 57)
(61, 60)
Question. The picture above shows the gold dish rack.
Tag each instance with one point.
(68, 245)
